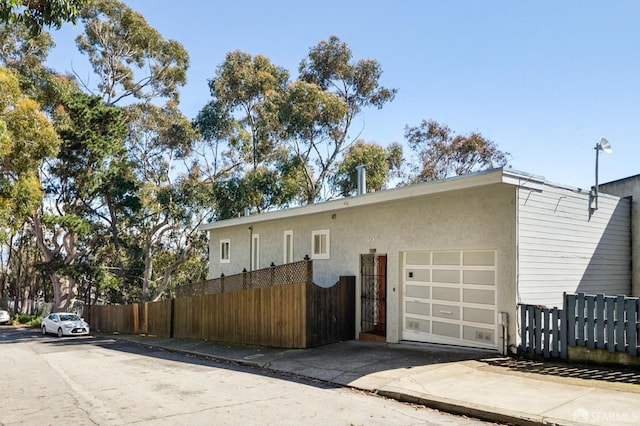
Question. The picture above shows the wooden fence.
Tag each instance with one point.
(288, 315)
(610, 323)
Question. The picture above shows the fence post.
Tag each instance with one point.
(611, 324)
(581, 319)
(546, 314)
(591, 327)
(221, 283)
(523, 327)
(632, 327)
(244, 278)
(555, 332)
(600, 321)
(620, 345)
(309, 277)
(570, 307)
(272, 276)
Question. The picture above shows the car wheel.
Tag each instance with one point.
(60, 332)
(44, 330)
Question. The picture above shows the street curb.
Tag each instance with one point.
(476, 411)
(443, 404)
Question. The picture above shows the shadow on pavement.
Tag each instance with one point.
(613, 374)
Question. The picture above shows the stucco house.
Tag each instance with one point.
(445, 261)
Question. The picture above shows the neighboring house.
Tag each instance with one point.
(630, 187)
(445, 261)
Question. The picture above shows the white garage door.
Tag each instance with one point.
(450, 297)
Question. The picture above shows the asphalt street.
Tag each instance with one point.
(99, 380)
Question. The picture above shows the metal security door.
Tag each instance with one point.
(373, 278)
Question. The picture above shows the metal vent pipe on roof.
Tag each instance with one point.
(362, 179)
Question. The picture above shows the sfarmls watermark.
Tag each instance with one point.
(614, 417)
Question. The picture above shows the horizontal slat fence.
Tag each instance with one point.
(610, 323)
(271, 313)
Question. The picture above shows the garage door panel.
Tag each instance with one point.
(450, 297)
(483, 297)
(418, 308)
(420, 291)
(479, 258)
(484, 316)
(446, 258)
(417, 324)
(479, 335)
(446, 311)
(446, 276)
(423, 275)
(451, 294)
(479, 277)
(446, 329)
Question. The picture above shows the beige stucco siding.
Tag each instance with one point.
(564, 246)
(482, 218)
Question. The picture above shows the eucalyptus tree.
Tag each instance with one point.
(236, 123)
(440, 153)
(130, 57)
(332, 90)
(89, 189)
(27, 138)
(174, 200)
(36, 14)
(378, 162)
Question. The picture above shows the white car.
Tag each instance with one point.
(5, 317)
(64, 324)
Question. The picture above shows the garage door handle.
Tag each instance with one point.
(446, 312)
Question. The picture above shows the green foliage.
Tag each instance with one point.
(239, 90)
(376, 161)
(130, 57)
(32, 320)
(441, 154)
(27, 138)
(35, 14)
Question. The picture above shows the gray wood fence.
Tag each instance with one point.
(610, 323)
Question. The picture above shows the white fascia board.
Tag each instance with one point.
(488, 177)
(523, 180)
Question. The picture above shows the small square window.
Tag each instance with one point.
(225, 247)
(320, 244)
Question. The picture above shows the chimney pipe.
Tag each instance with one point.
(362, 179)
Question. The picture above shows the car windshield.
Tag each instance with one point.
(69, 318)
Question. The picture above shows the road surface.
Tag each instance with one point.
(47, 380)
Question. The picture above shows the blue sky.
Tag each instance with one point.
(544, 80)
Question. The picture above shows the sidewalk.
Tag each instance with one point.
(461, 381)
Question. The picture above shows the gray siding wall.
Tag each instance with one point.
(562, 247)
(474, 219)
(630, 187)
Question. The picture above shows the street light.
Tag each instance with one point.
(604, 146)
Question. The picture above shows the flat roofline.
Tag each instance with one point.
(621, 180)
(478, 179)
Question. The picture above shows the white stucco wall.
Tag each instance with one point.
(482, 218)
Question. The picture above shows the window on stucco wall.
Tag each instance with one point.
(225, 247)
(288, 246)
(320, 244)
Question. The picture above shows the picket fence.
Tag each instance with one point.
(611, 323)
